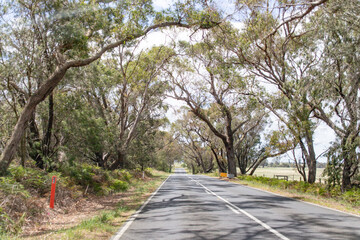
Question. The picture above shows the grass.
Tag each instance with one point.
(271, 171)
(107, 223)
(292, 173)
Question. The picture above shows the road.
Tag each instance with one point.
(200, 207)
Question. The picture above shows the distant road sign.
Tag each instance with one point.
(223, 174)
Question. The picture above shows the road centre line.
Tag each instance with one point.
(232, 209)
(136, 214)
(207, 191)
(270, 229)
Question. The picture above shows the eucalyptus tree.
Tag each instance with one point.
(207, 84)
(195, 149)
(274, 47)
(337, 81)
(73, 34)
(253, 147)
(120, 103)
(206, 136)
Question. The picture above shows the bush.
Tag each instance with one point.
(125, 175)
(118, 185)
(352, 196)
(98, 180)
(10, 186)
(32, 178)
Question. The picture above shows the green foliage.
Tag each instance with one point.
(118, 185)
(98, 180)
(9, 185)
(32, 178)
(333, 168)
(352, 196)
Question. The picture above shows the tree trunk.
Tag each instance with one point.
(47, 137)
(347, 154)
(257, 164)
(346, 176)
(23, 151)
(193, 169)
(120, 161)
(12, 144)
(231, 159)
(242, 162)
(221, 166)
(311, 158)
(35, 143)
(202, 164)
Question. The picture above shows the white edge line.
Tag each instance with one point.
(135, 215)
(318, 205)
(270, 229)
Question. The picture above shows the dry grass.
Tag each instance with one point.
(292, 173)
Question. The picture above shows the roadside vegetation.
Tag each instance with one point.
(24, 194)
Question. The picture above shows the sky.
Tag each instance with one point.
(323, 135)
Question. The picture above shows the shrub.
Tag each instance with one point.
(32, 178)
(118, 185)
(125, 175)
(98, 180)
(352, 196)
(10, 186)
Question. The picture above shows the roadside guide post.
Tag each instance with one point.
(52, 195)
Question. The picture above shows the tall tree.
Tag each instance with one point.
(337, 82)
(275, 48)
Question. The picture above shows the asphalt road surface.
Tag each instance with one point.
(200, 207)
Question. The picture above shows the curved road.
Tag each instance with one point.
(200, 207)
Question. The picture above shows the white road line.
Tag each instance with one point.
(314, 204)
(270, 229)
(232, 209)
(207, 192)
(136, 214)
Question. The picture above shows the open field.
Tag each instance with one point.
(292, 173)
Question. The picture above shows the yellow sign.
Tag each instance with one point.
(223, 174)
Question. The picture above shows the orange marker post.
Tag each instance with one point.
(52, 195)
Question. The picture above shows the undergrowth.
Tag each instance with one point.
(24, 192)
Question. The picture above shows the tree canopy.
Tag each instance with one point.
(78, 85)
